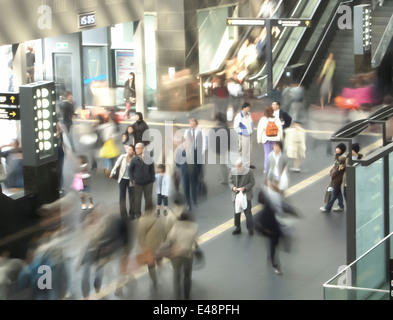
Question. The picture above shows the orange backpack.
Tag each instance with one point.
(271, 129)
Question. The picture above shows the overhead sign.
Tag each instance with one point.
(9, 114)
(9, 99)
(246, 22)
(291, 23)
(305, 23)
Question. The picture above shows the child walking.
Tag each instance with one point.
(85, 193)
(163, 181)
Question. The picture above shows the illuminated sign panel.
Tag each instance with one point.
(39, 122)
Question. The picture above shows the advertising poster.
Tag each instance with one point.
(124, 60)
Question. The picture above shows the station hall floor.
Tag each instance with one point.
(236, 266)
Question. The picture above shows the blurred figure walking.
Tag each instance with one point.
(151, 233)
(295, 146)
(267, 223)
(183, 239)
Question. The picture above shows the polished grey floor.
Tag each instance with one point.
(236, 266)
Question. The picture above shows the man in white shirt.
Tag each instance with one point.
(244, 127)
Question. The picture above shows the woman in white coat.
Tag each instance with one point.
(265, 134)
(121, 165)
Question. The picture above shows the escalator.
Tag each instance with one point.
(285, 46)
(220, 50)
(285, 43)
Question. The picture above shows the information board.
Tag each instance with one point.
(124, 60)
(9, 114)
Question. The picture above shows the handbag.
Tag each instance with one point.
(328, 193)
(198, 258)
(117, 173)
(109, 150)
(145, 257)
(284, 182)
(240, 202)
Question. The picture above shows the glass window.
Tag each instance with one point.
(369, 206)
(95, 73)
(215, 38)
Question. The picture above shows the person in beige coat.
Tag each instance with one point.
(295, 145)
(183, 239)
(151, 233)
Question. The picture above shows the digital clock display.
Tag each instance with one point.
(87, 20)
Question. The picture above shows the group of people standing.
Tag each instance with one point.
(284, 146)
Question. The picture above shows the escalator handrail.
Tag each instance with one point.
(382, 46)
(322, 40)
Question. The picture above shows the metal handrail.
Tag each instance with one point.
(326, 284)
(320, 43)
(380, 45)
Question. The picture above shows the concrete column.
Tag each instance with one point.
(140, 71)
(19, 65)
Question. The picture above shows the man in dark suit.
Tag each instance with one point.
(285, 118)
(192, 169)
(142, 176)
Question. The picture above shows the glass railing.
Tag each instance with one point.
(367, 278)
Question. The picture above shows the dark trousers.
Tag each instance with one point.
(124, 187)
(89, 263)
(147, 192)
(182, 265)
(190, 177)
(249, 219)
(336, 194)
